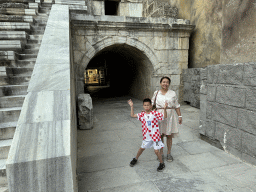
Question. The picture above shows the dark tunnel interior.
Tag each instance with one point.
(126, 71)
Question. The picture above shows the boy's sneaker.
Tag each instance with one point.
(161, 167)
(133, 162)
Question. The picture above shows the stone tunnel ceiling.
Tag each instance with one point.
(129, 70)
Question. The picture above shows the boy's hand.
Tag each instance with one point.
(166, 105)
(130, 103)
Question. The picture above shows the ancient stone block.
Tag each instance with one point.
(250, 74)
(209, 110)
(225, 114)
(230, 74)
(202, 127)
(249, 143)
(247, 121)
(187, 91)
(195, 100)
(203, 107)
(230, 95)
(228, 135)
(248, 158)
(211, 92)
(85, 111)
(250, 99)
(212, 74)
(210, 127)
(203, 74)
(203, 87)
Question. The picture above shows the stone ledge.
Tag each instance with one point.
(43, 154)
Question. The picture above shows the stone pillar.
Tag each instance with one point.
(85, 111)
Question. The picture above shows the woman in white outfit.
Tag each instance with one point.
(168, 127)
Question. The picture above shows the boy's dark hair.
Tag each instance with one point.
(147, 100)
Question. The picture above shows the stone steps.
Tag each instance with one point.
(18, 11)
(15, 80)
(31, 51)
(32, 46)
(4, 148)
(12, 101)
(7, 130)
(38, 28)
(17, 71)
(36, 37)
(13, 35)
(18, 25)
(3, 179)
(9, 114)
(25, 63)
(15, 26)
(34, 41)
(17, 18)
(11, 90)
(11, 45)
(27, 56)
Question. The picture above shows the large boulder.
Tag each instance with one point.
(85, 111)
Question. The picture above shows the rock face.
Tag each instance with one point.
(85, 111)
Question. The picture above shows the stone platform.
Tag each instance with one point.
(104, 154)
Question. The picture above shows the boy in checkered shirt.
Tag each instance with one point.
(150, 130)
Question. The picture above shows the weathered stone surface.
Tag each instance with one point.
(225, 114)
(203, 104)
(85, 111)
(209, 110)
(202, 128)
(249, 143)
(231, 95)
(203, 87)
(43, 153)
(210, 127)
(250, 99)
(213, 73)
(231, 74)
(247, 121)
(238, 32)
(250, 74)
(203, 73)
(229, 136)
(211, 92)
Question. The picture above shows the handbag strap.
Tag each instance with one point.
(155, 98)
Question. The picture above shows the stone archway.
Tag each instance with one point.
(108, 41)
(134, 63)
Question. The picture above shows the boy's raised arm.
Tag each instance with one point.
(131, 105)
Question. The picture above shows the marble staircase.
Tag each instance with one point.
(21, 34)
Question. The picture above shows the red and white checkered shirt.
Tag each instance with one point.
(150, 127)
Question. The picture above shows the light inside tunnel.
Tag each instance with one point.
(125, 70)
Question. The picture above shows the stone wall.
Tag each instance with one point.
(228, 109)
(159, 8)
(192, 81)
(158, 47)
(132, 8)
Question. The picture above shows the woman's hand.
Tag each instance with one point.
(180, 120)
(130, 103)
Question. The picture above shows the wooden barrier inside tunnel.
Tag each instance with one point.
(119, 70)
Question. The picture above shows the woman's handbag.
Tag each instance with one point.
(154, 106)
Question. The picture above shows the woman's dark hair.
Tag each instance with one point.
(165, 78)
(147, 100)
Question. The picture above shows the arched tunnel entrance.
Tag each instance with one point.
(119, 70)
